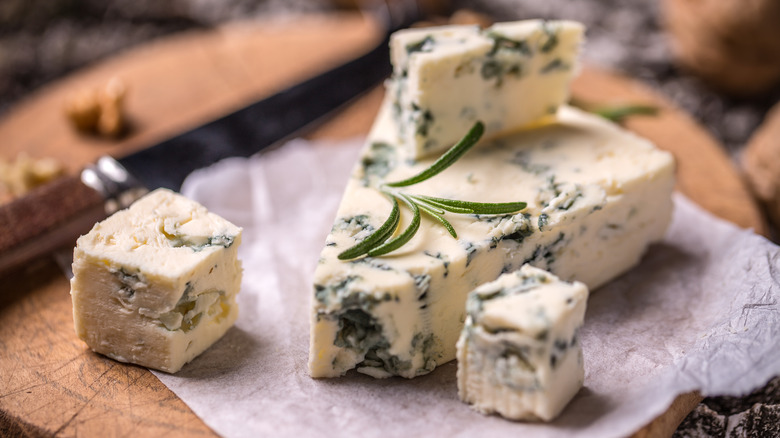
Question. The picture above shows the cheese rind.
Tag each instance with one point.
(519, 353)
(507, 76)
(597, 197)
(155, 284)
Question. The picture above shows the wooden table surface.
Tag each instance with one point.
(52, 384)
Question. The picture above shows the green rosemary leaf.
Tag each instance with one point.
(619, 112)
(399, 240)
(616, 113)
(446, 160)
(377, 237)
(477, 207)
(448, 207)
(495, 208)
(421, 201)
(440, 219)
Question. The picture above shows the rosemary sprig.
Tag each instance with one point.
(380, 242)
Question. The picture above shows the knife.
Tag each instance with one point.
(54, 215)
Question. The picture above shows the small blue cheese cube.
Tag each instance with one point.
(508, 76)
(156, 284)
(519, 353)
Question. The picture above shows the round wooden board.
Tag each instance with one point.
(52, 384)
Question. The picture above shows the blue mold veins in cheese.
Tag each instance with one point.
(597, 197)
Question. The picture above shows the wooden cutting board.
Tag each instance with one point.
(51, 384)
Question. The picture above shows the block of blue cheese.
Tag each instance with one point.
(597, 196)
(507, 76)
(519, 353)
(156, 284)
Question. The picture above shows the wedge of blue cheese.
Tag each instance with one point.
(156, 284)
(507, 76)
(519, 353)
(597, 197)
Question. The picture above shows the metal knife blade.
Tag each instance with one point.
(53, 216)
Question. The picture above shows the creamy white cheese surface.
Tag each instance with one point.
(519, 353)
(507, 76)
(155, 284)
(597, 197)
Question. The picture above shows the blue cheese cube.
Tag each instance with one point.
(156, 284)
(519, 353)
(507, 76)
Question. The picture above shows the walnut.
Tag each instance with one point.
(734, 45)
(23, 174)
(99, 110)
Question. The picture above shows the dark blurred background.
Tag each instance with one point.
(42, 40)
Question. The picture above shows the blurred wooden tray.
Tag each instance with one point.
(52, 384)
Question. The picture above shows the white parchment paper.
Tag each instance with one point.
(699, 313)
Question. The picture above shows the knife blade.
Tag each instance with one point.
(270, 121)
(54, 215)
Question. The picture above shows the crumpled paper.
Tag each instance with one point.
(699, 313)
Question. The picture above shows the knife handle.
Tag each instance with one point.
(54, 215)
(47, 218)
